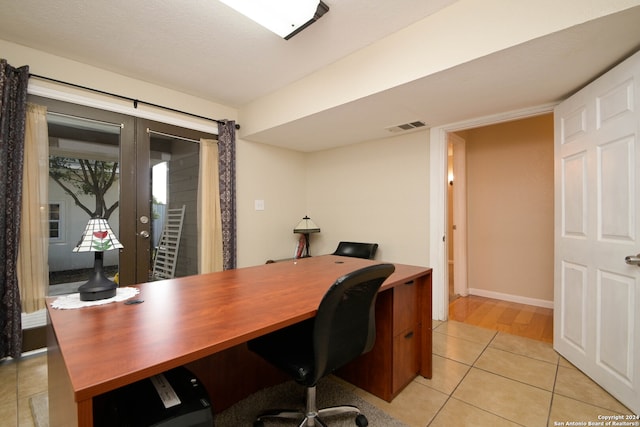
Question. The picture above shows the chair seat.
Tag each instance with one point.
(291, 350)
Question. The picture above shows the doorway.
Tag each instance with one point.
(128, 170)
(439, 183)
(510, 172)
(457, 216)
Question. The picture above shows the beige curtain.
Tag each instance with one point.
(209, 218)
(33, 255)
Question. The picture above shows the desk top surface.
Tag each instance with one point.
(187, 318)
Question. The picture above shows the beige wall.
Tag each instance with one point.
(278, 177)
(375, 191)
(372, 191)
(510, 209)
(63, 69)
(393, 209)
(495, 24)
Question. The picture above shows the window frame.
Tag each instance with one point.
(61, 221)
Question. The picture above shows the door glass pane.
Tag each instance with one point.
(174, 188)
(84, 182)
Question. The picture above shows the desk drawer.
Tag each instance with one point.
(405, 307)
(406, 361)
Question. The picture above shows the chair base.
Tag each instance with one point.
(313, 417)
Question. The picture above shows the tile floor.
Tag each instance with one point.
(480, 378)
(19, 381)
(483, 377)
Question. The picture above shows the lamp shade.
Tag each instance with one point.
(283, 17)
(97, 237)
(306, 226)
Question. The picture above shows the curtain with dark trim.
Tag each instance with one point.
(227, 171)
(13, 103)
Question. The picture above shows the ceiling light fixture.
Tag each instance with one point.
(284, 17)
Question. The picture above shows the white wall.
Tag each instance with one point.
(375, 191)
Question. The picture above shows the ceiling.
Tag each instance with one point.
(204, 48)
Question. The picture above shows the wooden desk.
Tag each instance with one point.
(192, 319)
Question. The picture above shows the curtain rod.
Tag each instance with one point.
(126, 98)
(155, 132)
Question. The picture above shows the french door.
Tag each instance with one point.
(129, 170)
(169, 158)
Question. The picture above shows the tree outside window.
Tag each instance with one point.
(86, 177)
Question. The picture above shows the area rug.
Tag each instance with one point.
(40, 409)
(286, 395)
(290, 395)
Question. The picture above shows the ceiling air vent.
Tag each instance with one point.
(406, 126)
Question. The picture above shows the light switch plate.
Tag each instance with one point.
(259, 205)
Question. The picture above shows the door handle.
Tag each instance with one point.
(632, 259)
(144, 234)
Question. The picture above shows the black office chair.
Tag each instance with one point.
(357, 250)
(343, 329)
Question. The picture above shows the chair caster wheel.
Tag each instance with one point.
(361, 421)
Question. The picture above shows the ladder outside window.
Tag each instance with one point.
(166, 257)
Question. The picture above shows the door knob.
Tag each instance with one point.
(632, 259)
(144, 234)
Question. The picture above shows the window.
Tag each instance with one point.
(56, 229)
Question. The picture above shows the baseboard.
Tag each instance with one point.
(511, 298)
(36, 352)
(35, 319)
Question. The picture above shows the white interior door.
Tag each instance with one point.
(597, 221)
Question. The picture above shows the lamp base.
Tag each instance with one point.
(96, 294)
(98, 286)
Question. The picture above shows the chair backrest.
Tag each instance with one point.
(357, 250)
(345, 326)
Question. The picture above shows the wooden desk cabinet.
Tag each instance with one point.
(395, 359)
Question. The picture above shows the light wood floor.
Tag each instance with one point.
(517, 319)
